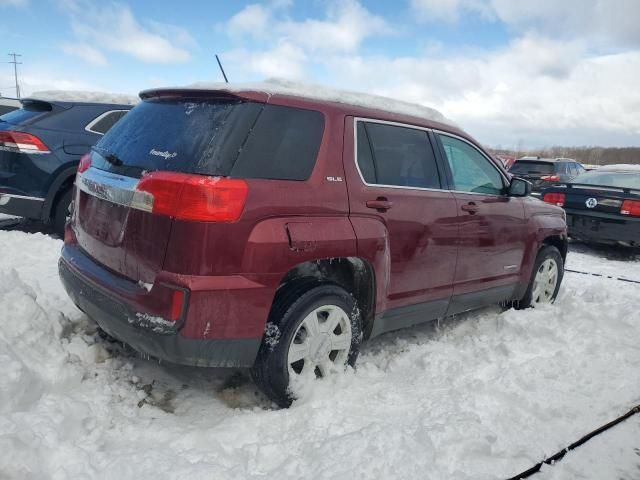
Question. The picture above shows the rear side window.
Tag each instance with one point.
(283, 145)
(394, 155)
(103, 123)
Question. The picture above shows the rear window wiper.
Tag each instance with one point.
(110, 157)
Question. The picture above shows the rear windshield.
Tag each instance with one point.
(29, 111)
(535, 168)
(212, 137)
(611, 179)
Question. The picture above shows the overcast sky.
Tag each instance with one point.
(531, 73)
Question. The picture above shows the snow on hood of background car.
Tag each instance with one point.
(85, 96)
(278, 86)
(621, 167)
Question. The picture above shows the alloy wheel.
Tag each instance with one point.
(321, 343)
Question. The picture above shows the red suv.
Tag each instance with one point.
(248, 228)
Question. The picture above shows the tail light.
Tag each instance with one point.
(630, 207)
(194, 197)
(550, 178)
(85, 163)
(21, 142)
(554, 198)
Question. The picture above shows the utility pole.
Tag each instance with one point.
(15, 71)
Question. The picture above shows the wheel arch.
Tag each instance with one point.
(354, 274)
(62, 182)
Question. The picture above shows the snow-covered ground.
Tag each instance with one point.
(484, 396)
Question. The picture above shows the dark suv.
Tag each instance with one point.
(40, 147)
(277, 231)
(544, 172)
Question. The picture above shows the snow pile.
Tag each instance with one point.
(485, 395)
(85, 96)
(278, 86)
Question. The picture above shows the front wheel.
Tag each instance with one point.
(313, 331)
(546, 278)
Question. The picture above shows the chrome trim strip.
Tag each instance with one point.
(404, 125)
(114, 188)
(92, 123)
(21, 197)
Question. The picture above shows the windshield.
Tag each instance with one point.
(534, 168)
(183, 135)
(611, 179)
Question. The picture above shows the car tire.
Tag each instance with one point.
(301, 323)
(61, 212)
(542, 287)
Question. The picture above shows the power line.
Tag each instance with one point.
(15, 71)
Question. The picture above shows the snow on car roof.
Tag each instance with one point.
(621, 167)
(277, 86)
(85, 97)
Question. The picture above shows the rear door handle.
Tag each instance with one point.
(380, 203)
(470, 207)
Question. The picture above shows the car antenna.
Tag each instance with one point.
(222, 69)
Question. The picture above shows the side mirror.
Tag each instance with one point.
(519, 187)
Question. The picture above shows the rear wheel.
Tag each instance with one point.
(61, 212)
(314, 330)
(546, 278)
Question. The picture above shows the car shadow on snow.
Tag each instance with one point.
(608, 252)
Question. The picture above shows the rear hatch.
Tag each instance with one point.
(534, 172)
(113, 220)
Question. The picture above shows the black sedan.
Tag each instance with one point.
(603, 205)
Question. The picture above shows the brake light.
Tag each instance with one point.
(21, 142)
(85, 163)
(554, 198)
(550, 178)
(194, 197)
(630, 207)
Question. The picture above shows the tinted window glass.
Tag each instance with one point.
(471, 171)
(365, 159)
(402, 156)
(6, 109)
(29, 111)
(105, 123)
(283, 145)
(192, 136)
(534, 168)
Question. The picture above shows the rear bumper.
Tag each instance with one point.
(20, 205)
(97, 292)
(604, 228)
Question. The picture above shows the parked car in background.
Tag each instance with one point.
(40, 148)
(8, 105)
(543, 172)
(276, 227)
(603, 206)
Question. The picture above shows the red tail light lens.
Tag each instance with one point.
(550, 178)
(85, 163)
(21, 142)
(177, 301)
(630, 207)
(554, 198)
(195, 197)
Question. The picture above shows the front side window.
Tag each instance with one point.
(398, 156)
(471, 171)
